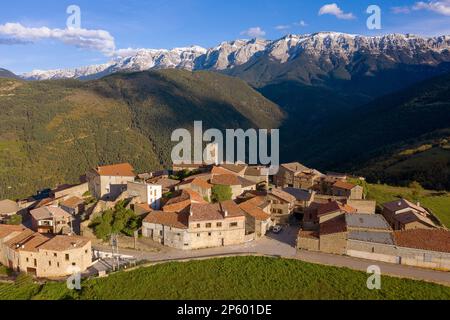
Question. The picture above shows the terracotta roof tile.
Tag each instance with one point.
(425, 239)
(344, 185)
(283, 195)
(119, 170)
(335, 225)
(334, 206)
(49, 213)
(72, 202)
(170, 219)
(64, 243)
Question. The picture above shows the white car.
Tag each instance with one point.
(277, 229)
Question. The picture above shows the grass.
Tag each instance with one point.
(235, 278)
(438, 202)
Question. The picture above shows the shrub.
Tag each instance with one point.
(221, 193)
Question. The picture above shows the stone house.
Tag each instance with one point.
(51, 220)
(67, 191)
(237, 184)
(404, 215)
(198, 226)
(303, 198)
(109, 182)
(296, 175)
(199, 185)
(23, 250)
(282, 205)
(257, 216)
(150, 194)
(349, 190)
(73, 205)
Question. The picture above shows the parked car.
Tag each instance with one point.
(277, 229)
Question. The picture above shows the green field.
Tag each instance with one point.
(438, 202)
(231, 279)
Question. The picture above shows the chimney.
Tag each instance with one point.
(191, 213)
(418, 203)
(225, 213)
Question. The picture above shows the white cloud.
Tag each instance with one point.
(334, 10)
(400, 10)
(302, 23)
(282, 27)
(441, 7)
(255, 32)
(98, 40)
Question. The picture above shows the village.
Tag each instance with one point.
(195, 207)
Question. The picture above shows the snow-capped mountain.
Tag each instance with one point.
(324, 48)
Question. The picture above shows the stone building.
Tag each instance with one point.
(147, 193)
(8, 208)
(51, 220)
(109, 182)
(198, 226)
(23, 250)
(404, 215)
(348, 190)
(257, 216)
(237, 183)
(282, 205)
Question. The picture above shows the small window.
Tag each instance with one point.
(233, 224)
(28, 260)
(57, 264)
(67, 257)
(198, 235)
(209, 234)
(55, 254)
(198, 226)
(219, 224)
(50, 263)
(86, 251)
(74, 264)
(208, 225)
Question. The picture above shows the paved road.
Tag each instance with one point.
(283, 245)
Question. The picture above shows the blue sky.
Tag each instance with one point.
(178, 23)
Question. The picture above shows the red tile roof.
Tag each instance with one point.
(117, 170)
(170, 219)
(334, 206)
(344, 185)
(335, 225)
(64, 243)
(425, 239)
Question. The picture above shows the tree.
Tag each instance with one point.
(221, 193)
(416, 189)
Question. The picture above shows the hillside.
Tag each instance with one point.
(384, 128)
(51, 132)
(7, 74)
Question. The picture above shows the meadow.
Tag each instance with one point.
(231, 279)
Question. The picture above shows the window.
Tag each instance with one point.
(233, 224)
(198, 235)
(28, 259)
(86, 251)
(219, 224)
(74, 264)
(67, 257)
(57, 264)
(209, 234)
(55, 254)
(208, 225)
(35, 262)
(50, 263)
(198, 226)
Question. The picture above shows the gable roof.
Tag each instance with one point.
(294, 167)
(64, 243)
(72, 202)
(253, 207)
(236, 168)
(8, 206)
(183, 200)
(283, 195)
(231, 180)
(232, 209)
(169, 219)
(367, 221)
(6, 230)
(117, 170)
(344, 185)
(335, 225)
(402, 204)
(426, 239)
(199, 182)
(412, 216)
(299, 194)
(49, 213)
(334, 206)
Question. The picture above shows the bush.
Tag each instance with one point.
(14, 220)
(221, 193)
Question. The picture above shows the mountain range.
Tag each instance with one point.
(375, 106)
(260, 62)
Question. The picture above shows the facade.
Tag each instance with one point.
(150, 194)
(68, 191)
(51, 220)
(109, 182)
(198, 226)
(199, 185)
(347, 190)
(237, 184)
(282, 205)
(296, 175)
(404, 215)
(257, 216)
(23, 250)
(303, 198)
(73, 205)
